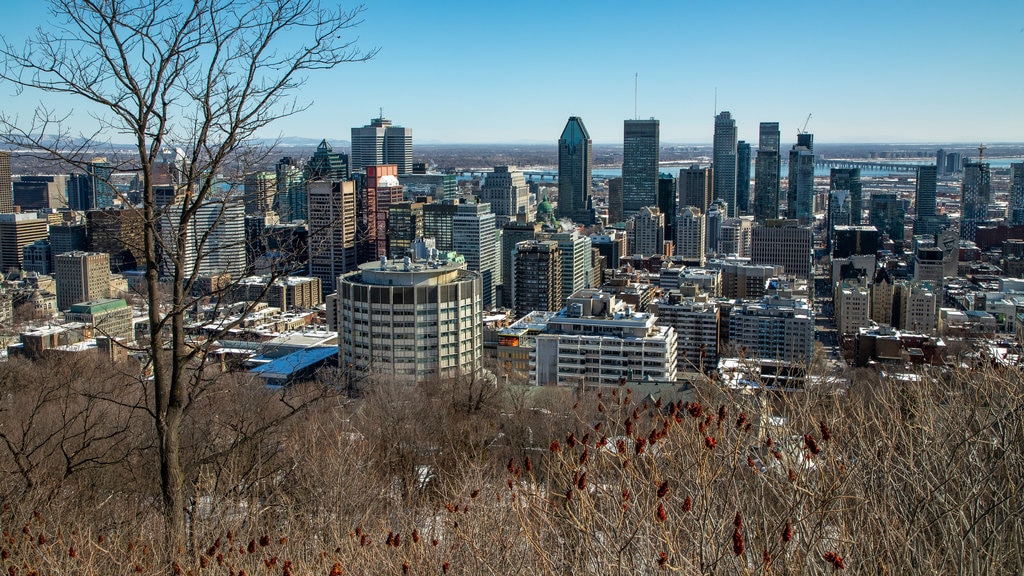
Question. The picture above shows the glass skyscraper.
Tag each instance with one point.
(724, 158)
(767, 172)
(640, 154)
(575, 161)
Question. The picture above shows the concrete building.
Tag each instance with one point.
(640, 155)
(774, 329)
(648, 231)
(332, 231)
(108, 317)
(918, 307)
(214, 241)
(16, 232)
(713, 225)
(514, 232)
(598, 340)
(380, 190)
(505, 189)
(696, 324)
(745, 281)
(80, 277)
(40, 192)
(380, 142)
(37, 257)
(474, 236)
(696, 187)
(783, 243)
(118, 233)
(537, 274)
(411, 320)
(615, 213)
(286, 293)
(576, 261)
(852, 306)
(882, 291)
(259, 190)
(691, 236)
(735, 236)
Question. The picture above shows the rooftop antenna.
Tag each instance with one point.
(381, 112)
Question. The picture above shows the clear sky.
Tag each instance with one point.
(475, 71)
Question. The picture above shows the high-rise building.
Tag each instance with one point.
(16, 232)
(924, 200)
(39, 192)
(783, 243)
(326, 164)
(615, 214)
(102, 191)
(6, 190)
(767, 172)
(259, 190)
(80, 277)
(379, 191)
(214, 239)
(695, 187)
(538, 276)
(696, 324)
(649, 231)
(37, 257)
(514, 232)
(800, 198)
(1017, 194)
(405, 225)
(734, 237)
(940, 161)
(849, 179)
(379, 143)
(774, 328)
(437, 223)
(713, 225)
(412, 320)
(838, 214)
(67, 238)
(506, 191)
(332, 231)
(954, 163)
(640, 154)
(474, 236)
(691, 238)
(975, 196)
(119, 234)
(724, 159)
(742, 177)
(575, 161)
(290, 200)
(577, 261)
(668, 203)
(887, 215)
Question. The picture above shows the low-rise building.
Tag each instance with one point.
(108, 317)
(695, 320)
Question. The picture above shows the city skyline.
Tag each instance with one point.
(923, 63)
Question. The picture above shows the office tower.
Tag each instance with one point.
(436, 186)
(6, 190)
(16, 232)
(924, 201)
(743, 177)
(695, 187)
(259, 190)
(640, 154)
(855, 241)
(849, 179)
(575, 160)
(1017, 194)
(405, 225)
(332, 231)
(67, 238)
(691, 240)
(537, 266)
(668, 203)
(577, 261)
(783, 243)
(767, 172)
(800, 198)
(437, 223)
(475, 237)
(119, 234)
(887, 215)
(99, 173)
(649, 231)
(414, 321)
(612, 245)
(940, 161)
(37, 257)
(214, 240)
(80, 277)
(615, 214)
(380, 142)
(379, 191)
(724, 162)
(838, 214)
(39, 192)
(954, 163)
(326, 164)
(290, 199)
(734, 236)
(713, 225)
(506, 191)
(514, 232)
(975, 196)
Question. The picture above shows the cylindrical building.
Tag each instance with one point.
(413, 320)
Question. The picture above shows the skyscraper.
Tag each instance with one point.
(99, 172)
(648, 231)
(6, 189)
(940, 161)
(695, 185)
(506, 191)
(924, 201)
(214, 239)
(326, 164)
(615, 200)
(767, 172)
(260, 189)
(724, 159)
(380, 142)
(516, 231)
(1017, 194)
(640, 154)
(887, 215)
(474, 237)
(849, 179)
(691, 237)
(575, 159)
(332, 231)
(379, 191)
(743, 177)
(290, 202)
(800, 199)
(81, 276)
(975, 196)
(16, 232)
(538, 276)
(668, 203)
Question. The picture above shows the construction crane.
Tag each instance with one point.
(981, 152)
(804, 129)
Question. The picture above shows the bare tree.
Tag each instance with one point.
(200, 75)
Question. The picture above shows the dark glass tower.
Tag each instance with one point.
(574, 172)
(639, 165)
(800, 199)
(849, 179)
(767, 172)
(724, 159)
(975, 196)
(743, 177)
(924, 200)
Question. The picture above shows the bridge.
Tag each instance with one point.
(865, 165)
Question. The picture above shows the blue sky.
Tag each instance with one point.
(477, 71)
